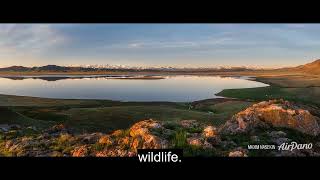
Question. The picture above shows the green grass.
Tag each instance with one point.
(10, 100)
(98, 147)
(120, 117)
(224, 110)
(229, 107)
(106, 116)
(179, 140)
(46, 114)
(310, 95)
(9, 116)
(25, 101)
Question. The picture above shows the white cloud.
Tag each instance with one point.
(28, 39)
(296, 25)
(135, 45)
(150, 44)
(178, 44)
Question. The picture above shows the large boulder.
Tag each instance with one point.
(210, 131)
(146, 131)
(276, 113)
(196, 140)
(105, 140)
(238, 152)
(81, 151)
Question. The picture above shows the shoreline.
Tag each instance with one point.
(67, 76)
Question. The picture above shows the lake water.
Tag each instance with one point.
(171, 88)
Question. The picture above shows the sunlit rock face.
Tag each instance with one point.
(143, 130)
(273, 113)
(239, 152)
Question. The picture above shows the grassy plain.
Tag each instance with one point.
(106, 115)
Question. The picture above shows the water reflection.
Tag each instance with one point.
(172, 88)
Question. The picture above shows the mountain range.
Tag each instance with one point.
(310, 68)
(94, 68)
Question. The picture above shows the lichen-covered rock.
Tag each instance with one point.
(81, 151)
(144, 129)
(8, 144)
(106, 140)
(90, 138)
(55, 154)
(210, 131)
(239, 152)
(115, 153)
(125, 141)
(57, 128)
(118, 132)
(275, 113)
(196, 140)
(137, 143)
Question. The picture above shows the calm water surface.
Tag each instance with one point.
(173, 88)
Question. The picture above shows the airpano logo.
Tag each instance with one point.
(282, 147)
(294, 145)
(160, 155)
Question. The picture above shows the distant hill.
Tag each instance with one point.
(55, 68)
(15, 68)
(52, 68)
(47, 68)
(310, 68)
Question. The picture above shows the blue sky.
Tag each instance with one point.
(188, 45)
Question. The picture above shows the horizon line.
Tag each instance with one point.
(153, 66)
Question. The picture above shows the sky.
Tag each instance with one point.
(179, 45)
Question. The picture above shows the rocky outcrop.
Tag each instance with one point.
(143, 133)
(267, 122)
(210, 131)
(81, 151)
(273, 113)
(146, 134)
(239, 152)
(7, 127)
(105, 140)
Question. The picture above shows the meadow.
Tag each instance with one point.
(105, 116)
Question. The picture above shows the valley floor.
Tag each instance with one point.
(106, 116)
(87, 116)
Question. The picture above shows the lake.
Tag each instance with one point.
(170, 88)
